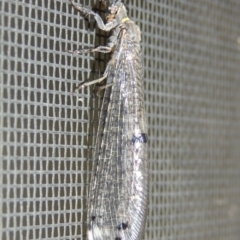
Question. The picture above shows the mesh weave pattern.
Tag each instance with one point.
(192, 82)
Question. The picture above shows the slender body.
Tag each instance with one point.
(118, 193)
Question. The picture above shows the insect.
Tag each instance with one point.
(118, 194)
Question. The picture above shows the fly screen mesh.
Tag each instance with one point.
(191, 65)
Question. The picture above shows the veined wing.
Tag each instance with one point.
(118, 197)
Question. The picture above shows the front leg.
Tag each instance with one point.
(86, 11)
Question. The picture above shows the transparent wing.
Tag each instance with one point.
(119, 193)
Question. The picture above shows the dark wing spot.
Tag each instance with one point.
(122, 226)
(141, 139)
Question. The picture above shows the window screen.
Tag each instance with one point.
(191, 65)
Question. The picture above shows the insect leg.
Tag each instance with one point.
(84, 84)
(101, 49)
(100, 88)
(86, 11)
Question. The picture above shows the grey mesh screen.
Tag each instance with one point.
(191, 67)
